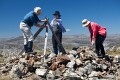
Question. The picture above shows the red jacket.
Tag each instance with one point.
(95, 29)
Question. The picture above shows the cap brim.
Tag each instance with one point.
(84, 25)
(56, 14)
(39, 13)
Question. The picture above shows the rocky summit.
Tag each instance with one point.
(78, 64)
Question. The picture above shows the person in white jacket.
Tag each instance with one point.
(58, 28)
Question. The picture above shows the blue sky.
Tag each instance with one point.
(103, 12)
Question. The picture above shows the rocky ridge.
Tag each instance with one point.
(78, 64)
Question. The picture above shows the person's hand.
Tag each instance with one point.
(45, 20)
(93, 42)
(43, 26)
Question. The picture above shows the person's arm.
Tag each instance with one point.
(38, 25)
(94, 29)
(59, 23)
(35, 21)
(51, 23)
(44, 20)
(94, 33)
(90, 33)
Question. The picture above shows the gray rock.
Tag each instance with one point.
(33, 77)
(37, 64)
(118, 49)
(71, 56)
(41, 72)
(89, 68)
(14, 68)
(57, 73)
(73, 52)
(52, 55)
(50, 77)
(78, 61)
(108, 76)
(73, 76)
(23, 60)
(116, 58)
(87, 62)
(71, 64)
(104, 66)
(93, 78)
(81, 71)
(94, 74)
(16, 72)
(21, 66)
(92, 54)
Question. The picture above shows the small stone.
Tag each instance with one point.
(33, 77)
(41, 72)
(71, 64)
(50, 77)
(108, 76)
(57, 73)
(78, 62)
(5, 71)
(89, 68)
(116, 58)
(14, 68)
(93, 78)
(74, 76)
(94, 74)
(71, 56)
(73, 52)
(37, 64)
(23, 60)
(52, 55)
(82, 70)
(104, 66)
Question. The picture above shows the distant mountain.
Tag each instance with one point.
(13, 46)
(73, 40)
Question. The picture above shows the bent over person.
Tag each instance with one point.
(26, 24)
(97, 34)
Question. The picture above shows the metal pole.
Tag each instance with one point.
(45, 46)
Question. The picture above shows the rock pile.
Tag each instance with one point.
(78, 64)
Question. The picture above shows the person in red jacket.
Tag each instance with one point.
(98, 35)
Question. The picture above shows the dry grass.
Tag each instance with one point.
(113, 52)
(4, 77)
(1, 60)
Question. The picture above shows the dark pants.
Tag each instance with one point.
(28, 47)
(99, 45)
(56, 46)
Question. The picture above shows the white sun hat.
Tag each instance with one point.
(85, 22)
(38, 10)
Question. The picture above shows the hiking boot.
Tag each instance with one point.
(26, 48)
(33, 53)
(59, 53)
(30, 45)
